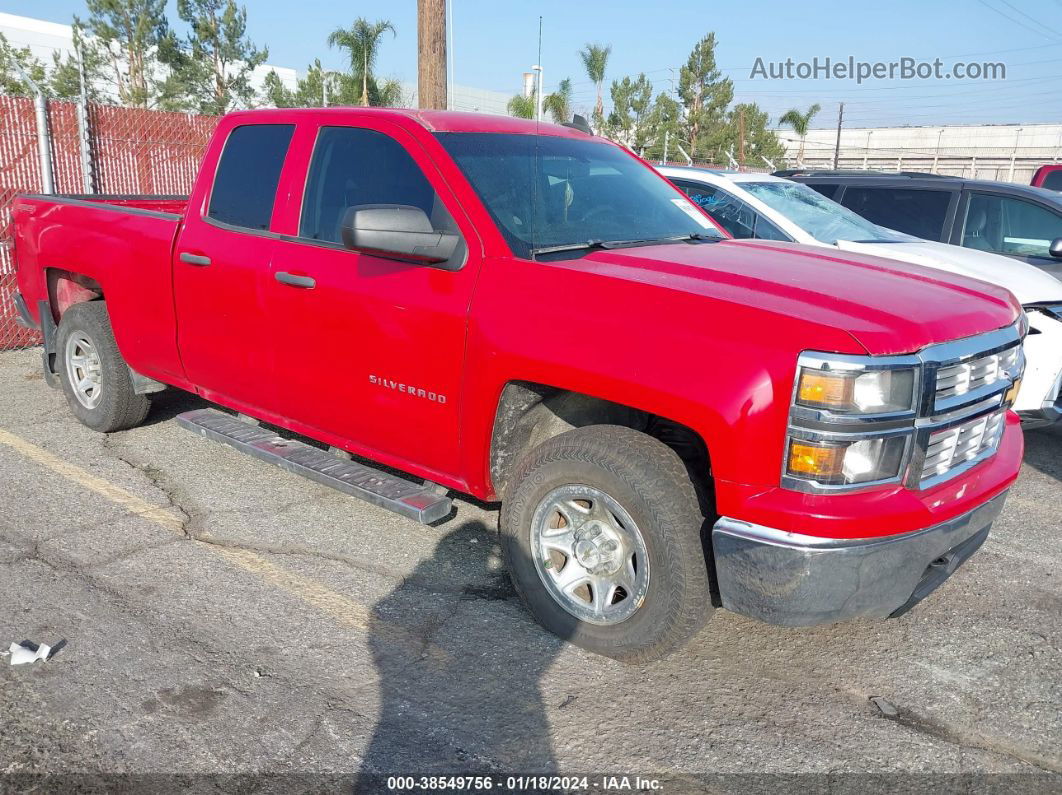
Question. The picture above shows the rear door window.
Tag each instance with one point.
(245, 183)
(917, 212)
(1008, 225)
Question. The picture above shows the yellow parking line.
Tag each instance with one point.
(116, 494)
(344, 610)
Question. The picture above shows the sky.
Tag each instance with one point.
(495, 42)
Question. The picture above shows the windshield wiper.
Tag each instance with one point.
(586, 245)
(589, 245)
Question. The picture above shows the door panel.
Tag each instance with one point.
(373, 351)
(221, 272)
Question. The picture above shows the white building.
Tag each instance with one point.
(1009, 152)
(45, 38)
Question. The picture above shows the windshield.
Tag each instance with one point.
(823, 219)
(545, 191)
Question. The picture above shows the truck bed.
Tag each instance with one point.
(120, 246)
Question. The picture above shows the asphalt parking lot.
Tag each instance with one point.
(221, 616)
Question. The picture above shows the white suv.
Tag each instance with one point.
(771, 208)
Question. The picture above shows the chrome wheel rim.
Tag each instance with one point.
(590, 554)
(83, 370)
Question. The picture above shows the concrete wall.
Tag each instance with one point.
(1009, 152)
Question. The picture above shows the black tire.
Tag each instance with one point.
(118, 407)
(651, 483)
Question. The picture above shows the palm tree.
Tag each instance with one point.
(523, 107)
(559, 103)
(595, 61)
(362, 42)
(800, 123)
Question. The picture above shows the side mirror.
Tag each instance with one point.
(397, 231)
(1055, 249)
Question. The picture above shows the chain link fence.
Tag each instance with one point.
(129, 150)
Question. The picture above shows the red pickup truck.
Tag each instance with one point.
(525, 313)
(1049, 176)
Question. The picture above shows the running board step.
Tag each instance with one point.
(420, 501)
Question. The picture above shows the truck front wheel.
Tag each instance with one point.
(94, 375)
(601, 531)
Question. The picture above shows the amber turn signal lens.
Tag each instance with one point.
(826, 389)
(807, 459)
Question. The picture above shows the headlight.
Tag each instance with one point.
(851, 422)
(856, 392)
(831, 463)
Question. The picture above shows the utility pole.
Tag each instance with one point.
(837, 146)
(663, 162)
(431, 54)
(741, 137)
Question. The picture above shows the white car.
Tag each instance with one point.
(771, 208)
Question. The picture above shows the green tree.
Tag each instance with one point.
(632, 102)
(211, 68)
(664, 124)
(800, 122)
(275, 93)
(595, 62)
(64, 80)
(390, 94)
(523, 107)
(559, 103)
(13, 60)
(760, 142)
(705, 96)
(128, 33)
(362, 43)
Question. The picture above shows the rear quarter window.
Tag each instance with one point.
(245, 183)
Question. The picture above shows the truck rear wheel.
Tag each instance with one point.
(601, 531)
(94, 375)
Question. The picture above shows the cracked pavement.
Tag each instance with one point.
(222, 616)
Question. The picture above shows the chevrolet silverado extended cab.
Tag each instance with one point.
(522, 312)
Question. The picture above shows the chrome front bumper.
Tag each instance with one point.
(799, 580)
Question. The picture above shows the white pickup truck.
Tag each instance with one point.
(766, 207)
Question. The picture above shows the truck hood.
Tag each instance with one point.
(888, 306)
(1028, 283)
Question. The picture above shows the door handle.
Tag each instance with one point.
(194, 259)
(295, 281)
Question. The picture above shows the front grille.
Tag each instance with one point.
(954, 447)
(981, 371)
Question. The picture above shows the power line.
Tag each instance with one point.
(1008, 4)
(1012, 19)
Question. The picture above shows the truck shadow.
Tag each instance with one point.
(1043, 450)
(465, 699)
(170, 402)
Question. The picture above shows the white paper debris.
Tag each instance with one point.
(21, 655)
